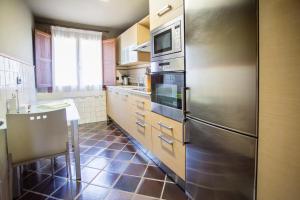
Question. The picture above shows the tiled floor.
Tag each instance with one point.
(112, 169)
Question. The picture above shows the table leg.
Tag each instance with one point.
(75, 135)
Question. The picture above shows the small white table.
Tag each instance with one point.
(72, 118)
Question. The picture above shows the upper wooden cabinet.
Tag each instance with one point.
(162, 11)
(137, 34)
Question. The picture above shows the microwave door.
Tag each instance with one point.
(162, 42)
(168, 40)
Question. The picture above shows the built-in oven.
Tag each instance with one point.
(167, 88)
(167, 41)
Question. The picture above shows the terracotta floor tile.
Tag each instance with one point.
(135, 169)
(127, 183)
(155, 173)
(69, 190)
(105, 179)
(151, 188)
(173, 192)
(93, 193)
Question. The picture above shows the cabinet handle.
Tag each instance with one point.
(140, 114)
(164, 10)
(163, 138)
(165, 126)
(140, 124)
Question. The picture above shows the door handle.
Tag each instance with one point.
(185, 137)
(184, 132)
(184, 100)
(164, 10)
(163, 138)
(165, 126)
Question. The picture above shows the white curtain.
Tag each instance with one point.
(77, 59)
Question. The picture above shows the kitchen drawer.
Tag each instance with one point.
(163, 11)
(170, 151)
(141, 131)
(167, 126)
(140, 103)
(141, 115)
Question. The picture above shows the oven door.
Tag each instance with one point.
(167, 90)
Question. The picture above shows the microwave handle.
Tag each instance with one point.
(164, 10)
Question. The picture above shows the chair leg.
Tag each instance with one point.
(67, 165)
(52, 167)
(10, 176)
(68, 162)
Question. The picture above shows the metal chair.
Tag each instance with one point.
(31, 137)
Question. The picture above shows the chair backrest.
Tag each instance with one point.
(33, 136)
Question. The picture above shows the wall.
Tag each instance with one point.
(91, 105)
(136, 72)
(16, 24)
(9, 70)
(279, 123)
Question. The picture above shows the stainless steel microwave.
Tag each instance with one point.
(168, 40)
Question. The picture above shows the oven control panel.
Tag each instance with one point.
(176, 64)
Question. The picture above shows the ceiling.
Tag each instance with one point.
(111, 14)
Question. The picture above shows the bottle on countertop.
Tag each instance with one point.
(148, 80)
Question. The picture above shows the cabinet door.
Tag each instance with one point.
(109, 62)
(162, 11)
(43, 60)
(170, 151)
(109, 103)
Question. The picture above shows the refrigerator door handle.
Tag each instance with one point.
(184, 100)
(185, 132)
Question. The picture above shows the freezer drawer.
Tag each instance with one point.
(220, 165)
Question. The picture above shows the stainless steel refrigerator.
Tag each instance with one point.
(221, 99)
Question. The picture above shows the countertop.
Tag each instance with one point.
(132, 89)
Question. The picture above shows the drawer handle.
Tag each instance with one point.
(165, 126)
(140, 124)
(164, 10)
(140, 114)
(163, 138)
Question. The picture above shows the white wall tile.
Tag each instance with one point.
(91, 105)
(9, 70)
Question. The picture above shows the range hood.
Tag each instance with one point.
(145, 47)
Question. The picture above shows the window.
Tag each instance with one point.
(77, 59)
